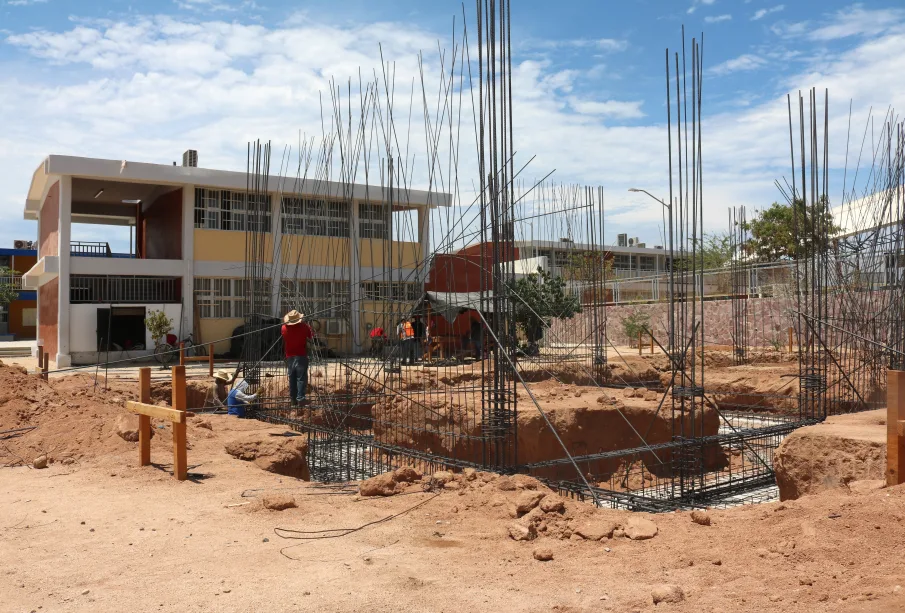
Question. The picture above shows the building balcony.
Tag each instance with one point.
(15, 281)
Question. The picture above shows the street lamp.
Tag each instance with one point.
(644, 191)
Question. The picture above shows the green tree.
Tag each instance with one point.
(784, 231)
(539, 297)
(634, 324)
(8, 289)
(158, 324)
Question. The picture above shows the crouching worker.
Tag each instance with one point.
(238, 399)
(219, 392)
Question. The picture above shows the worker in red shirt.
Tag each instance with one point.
(295, 341)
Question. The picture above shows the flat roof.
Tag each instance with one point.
(164, 174)
(587, 247)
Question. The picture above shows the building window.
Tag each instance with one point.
(29, 318)
(222, 298)
(396, 291)
(315, 217)
(622, 261)
(647, 262)
(316, 299)
(374, 221)
(231, 210)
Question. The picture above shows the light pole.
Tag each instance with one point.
(671, 257)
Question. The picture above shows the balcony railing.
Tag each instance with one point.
(90, 249)
(124, 289)
(14, 281)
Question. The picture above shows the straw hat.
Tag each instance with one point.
(293, 317)
(223, 375)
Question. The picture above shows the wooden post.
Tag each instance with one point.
(895, 414)
(44, 366)
(144, 421)
(210, 359)
(640, 344)
(791, 331)
(180, 462)
(181, 354)
(41, 357)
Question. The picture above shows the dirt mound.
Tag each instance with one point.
(281, 454)
(843, 449)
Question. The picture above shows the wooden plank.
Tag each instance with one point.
(180, 460)
(144, 421)
(45, 367)
(152, 410)
(895, 413)
(210, 359)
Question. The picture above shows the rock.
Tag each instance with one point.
(595, 529)
(126, 427)
(283, 455)
(40, 461)
(506, 484)
(470, 474)
(85, 592)
(639, 529)
(527, 501)
(543, 554)
(381, 485)
(442, 477)
(866, 485)
(203, 423)
(629, 392)
(279, 502)
(618, 533)
(524, 482)
(702, 518)
(603, 399)
(67, 461)
(667, 593)
(651, 396)
(520, 532)
(552, 503)
(406, 474)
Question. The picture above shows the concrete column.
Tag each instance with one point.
(355, 279)
(424, 214)
(276, 276)
(63, 359)
(38, 340)
(187, 324)
(895, 427)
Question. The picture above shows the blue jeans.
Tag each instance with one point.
(298, 376)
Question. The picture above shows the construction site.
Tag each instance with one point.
(572, 426)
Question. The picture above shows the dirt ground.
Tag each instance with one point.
(94, 532)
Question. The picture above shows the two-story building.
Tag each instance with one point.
(328, 242)
(18, 319)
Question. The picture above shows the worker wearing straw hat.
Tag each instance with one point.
(219, 390)
(295, 341)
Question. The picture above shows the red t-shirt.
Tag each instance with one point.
(295, 339)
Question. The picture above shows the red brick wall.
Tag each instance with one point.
(48, 315)
(15, 319)
(48, 242)
(161, 234)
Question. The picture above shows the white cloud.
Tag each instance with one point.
(602, 44)
(24, 2)
(157, 86)
(610, 108)
(760, 14)
(717, 18)
(856, 21)
(741, 63)
(696, 3)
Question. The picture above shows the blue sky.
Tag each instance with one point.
(144, 81)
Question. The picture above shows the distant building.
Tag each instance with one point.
(18, 319)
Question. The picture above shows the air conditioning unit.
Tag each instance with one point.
(622, 240)
(631, 242)
(190, 159)
(640, 245)
(334, 327)
(23, 244)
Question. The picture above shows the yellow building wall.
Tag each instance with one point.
(215, 329)
(315, 251)
(226, 246)
(404, 255)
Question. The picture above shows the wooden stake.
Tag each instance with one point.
(41, 357)
(210, 359)
(895, 414)
(180, 462)
(791, 331)
(181, 354)
(640, 345)
(44, 366)
(144, 421)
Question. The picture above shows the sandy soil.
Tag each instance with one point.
(94, 532)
